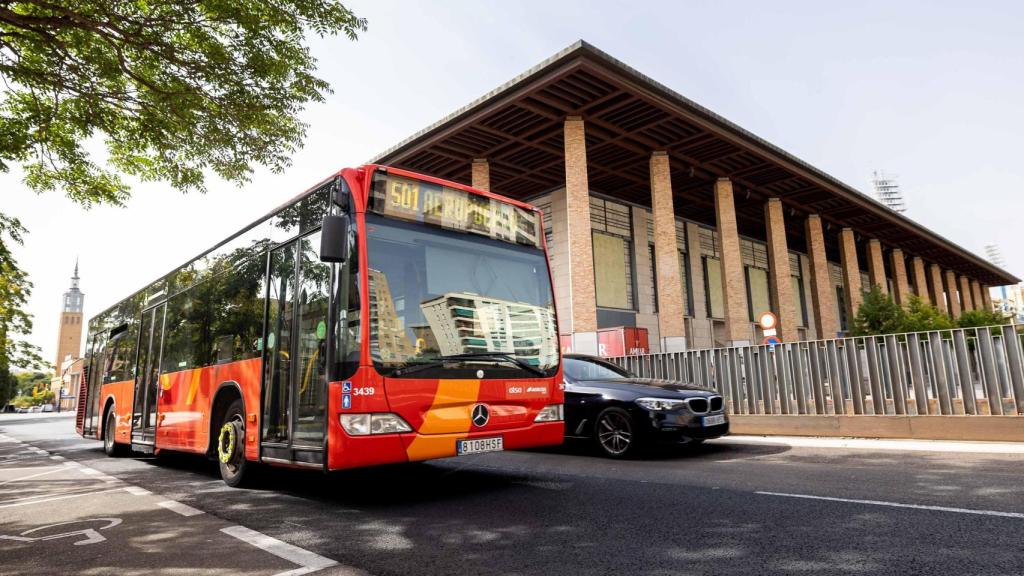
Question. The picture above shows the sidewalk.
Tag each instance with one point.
(880, 444)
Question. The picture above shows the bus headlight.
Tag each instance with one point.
(550, 413)
(376, 423)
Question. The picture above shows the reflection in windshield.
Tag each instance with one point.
(438, 293)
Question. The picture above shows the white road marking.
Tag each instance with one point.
(183, 509)
(898, 505)
(308, 561)
(55, 466)
(49, 470)
(16, 502)
(137, 490)
(89, 471)
(56, 457)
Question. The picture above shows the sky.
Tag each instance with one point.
(930, 91)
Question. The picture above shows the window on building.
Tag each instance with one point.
(711, 259)
(755, 263)
(544, 205)
(613, 255)
(713, 287)
(683, 261)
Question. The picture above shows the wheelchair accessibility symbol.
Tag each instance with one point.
(88, 535)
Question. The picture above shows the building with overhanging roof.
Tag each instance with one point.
(662, 214)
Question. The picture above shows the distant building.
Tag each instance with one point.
(1008, 298)
(887, 190)
(69, 339)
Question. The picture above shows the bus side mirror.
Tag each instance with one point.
(334, 239)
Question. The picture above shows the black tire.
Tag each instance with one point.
(110, 446)
(235, 470)
(615, 433)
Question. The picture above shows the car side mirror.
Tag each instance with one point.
(334, 239)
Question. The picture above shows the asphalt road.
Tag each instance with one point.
(728, 507)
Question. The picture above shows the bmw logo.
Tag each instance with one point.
(481, 415)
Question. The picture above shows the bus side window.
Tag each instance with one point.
(116, 364)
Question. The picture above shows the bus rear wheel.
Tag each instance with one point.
(234, 468)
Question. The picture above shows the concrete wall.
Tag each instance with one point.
(975, 428)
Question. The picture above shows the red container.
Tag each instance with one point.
(622, 341)
(619, 341)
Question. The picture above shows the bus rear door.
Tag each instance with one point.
(147, 377)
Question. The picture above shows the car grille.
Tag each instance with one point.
(716, 403)
(698, 405)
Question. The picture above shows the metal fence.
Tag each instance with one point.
(963, 371)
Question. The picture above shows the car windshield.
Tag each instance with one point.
(593, 369)
(437, 293)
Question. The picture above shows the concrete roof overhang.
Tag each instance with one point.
(518, 128)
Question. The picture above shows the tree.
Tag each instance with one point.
(15, 289)
(174, 90)
(920, 316)
(877, 314)
(979, 318)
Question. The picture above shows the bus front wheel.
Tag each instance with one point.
(234, 468)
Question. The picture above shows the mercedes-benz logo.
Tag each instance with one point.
(481, 415)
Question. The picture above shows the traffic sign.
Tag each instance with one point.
(767, 321)
(771, 341)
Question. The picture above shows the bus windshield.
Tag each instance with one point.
(437, 293)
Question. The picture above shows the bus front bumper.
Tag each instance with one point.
(346, 451)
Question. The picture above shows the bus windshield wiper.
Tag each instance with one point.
(494, 356)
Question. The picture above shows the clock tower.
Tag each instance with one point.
(70, 340)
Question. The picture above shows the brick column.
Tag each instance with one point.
(666, 255)
(965, 294)
(920, 279)
(979, 304)
(481, 174)
(938, 299)
(899, 277)
(778, 271)
(583, 306)
(949, 278)
(851, 273)
(823, 297)
(986, 296)
(876, 266)
(737, 318)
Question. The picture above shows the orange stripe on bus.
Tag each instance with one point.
(450, 413)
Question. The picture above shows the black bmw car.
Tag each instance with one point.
(622, 413)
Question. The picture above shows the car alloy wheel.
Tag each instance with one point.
(614, 432)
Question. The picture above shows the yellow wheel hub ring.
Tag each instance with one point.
(223, 452)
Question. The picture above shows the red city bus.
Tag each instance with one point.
(381, 316)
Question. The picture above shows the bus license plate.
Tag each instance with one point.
(479, 445)
(714, 420)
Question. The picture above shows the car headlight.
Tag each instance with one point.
(660, 403)
(377, 423)
(550, 413)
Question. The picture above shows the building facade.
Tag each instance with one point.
(662, 215)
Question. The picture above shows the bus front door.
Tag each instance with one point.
(295, 353)
(147, 377)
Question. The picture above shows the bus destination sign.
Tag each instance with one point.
(430, 203)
